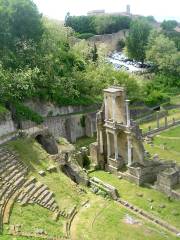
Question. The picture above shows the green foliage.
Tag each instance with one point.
(156, 98)
(111, 24)
(84, 35)
(21, 29)
(81, 24)
(169, 25)
(97, 24)
(24, 113)
(163, 53)
(3, 111)
(94, 53)
(137, 40)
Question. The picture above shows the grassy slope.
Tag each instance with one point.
(171, 140)
(128, 191)
(33, 217)
(84, 142)
(112, 217)
(174, 113)
(66, 192)
(104, 219)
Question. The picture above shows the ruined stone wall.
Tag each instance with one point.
(47, 109)
(7, 128)
(68, 126)
(110, 40)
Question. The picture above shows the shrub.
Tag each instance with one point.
(156, 97)
(24, 113)
(85, 35)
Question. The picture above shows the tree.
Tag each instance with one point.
(94, 53)
(21, 30)
(137, 40)
(169, 25)
(21, 19)
(163, 53)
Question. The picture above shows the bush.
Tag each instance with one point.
(24, 113)
(156, 98)
(85, 35)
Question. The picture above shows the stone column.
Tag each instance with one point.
(108, 145)
(113, 107)
(128, 114)
(101, 141)
(157, 117)
(116, 146)
(129, 139)
(165, 121)
(106, 107)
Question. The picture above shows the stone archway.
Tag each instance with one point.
(48, 143)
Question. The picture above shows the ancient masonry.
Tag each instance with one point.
(16, 186)
(119, 148)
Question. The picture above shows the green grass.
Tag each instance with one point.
(32, 154)
(166, 145)
(84, 142)
(104, 219)
(7, 237)
(33, 217)
(100, 210)
(174, 113)
(128, 191)
(175, 100)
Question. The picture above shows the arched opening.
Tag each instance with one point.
(48, 143)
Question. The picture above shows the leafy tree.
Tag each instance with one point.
(81, 24)
(111, 24)
(21, 29)
(22, 21)
(137, 40)
(97, 24)
(163, 53)
(169, 25)
(94, 53)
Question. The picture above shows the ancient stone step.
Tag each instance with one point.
(46, 198)
(28, 194)
(31, 180)
(50, 203)
(41, 189)
(14, 177)
(6, 166)
(7, 158)
(26, 191)
(43, 196)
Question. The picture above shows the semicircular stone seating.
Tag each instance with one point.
(15, 185)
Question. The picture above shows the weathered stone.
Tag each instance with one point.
(42, 173)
